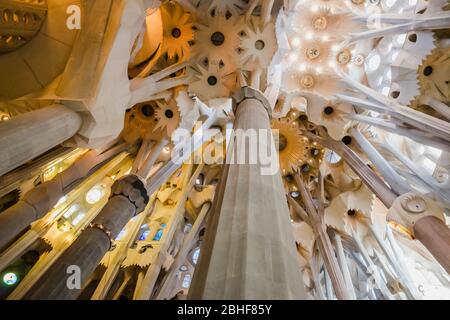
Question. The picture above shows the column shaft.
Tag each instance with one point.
(435, 236)
(249, 250)
(128, 199)
(39, 201)
(27, 136)
(367, 175)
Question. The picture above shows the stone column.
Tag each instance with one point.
(29, 135)
(249, 251)
(128, 198)
(426, 222)
(39, 201)
(20, 21)
(396, 183)
(367, 175)
(323, 241)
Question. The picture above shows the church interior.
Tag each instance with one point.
(224, 150)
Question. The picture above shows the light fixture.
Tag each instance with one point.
(10, 279)
(295, 194)
(183, 268)
(95, 194)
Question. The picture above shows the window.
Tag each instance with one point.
(71, 211)
(195, 255)
(160, 232)
(183, 268)
(95, 194)
(186, 281)
(187, 228)
(144, 232)
(11, 278)
(144, 235)
(78, 218)
(158, 235)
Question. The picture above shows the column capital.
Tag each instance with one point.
(132, 188)
(410, 207)
(251, 93)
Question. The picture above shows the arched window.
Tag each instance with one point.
(186, 281)
(195, 255)
(160, 232)
(144, 232)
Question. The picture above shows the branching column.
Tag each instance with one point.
(29, 135)
(128, 198)
(39, 201)
(249, 249)
(419, 214)
(323, 242)
(19, 22)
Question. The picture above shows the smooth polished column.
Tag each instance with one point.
(128, 198)
(425, 220)
(434, 234)
(29, 135)
(249, 250)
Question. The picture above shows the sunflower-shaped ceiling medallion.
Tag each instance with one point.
(351, 211)
(330, 114)
(211, 82)
(295, 150)
(315, 52)
(217, 41)
(434, 75)
(310, 80)
(141, 122)
(168, 116)
(320, 20)
(178, 31)
(258, 45)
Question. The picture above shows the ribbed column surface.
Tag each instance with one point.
(249, 250)
(29, 135)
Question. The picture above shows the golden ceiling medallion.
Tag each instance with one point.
(320, 23)
(307, 81)
(344, 57)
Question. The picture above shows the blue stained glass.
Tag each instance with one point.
(144, 235)
(158, 235)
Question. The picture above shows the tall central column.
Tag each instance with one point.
(249, 250)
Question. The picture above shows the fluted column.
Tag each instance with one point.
(39, 201)
(128, 198)
(249, 251)
(29, 135)
(20, 21)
